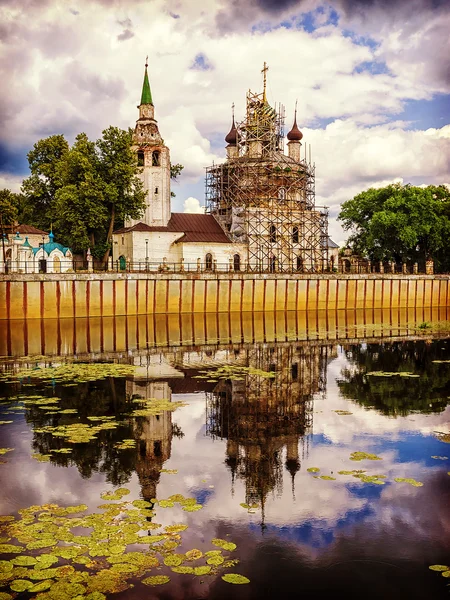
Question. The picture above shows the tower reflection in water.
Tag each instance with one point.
(267, 421)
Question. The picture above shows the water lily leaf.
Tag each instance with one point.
(24, 561)
(364, 456)
(5, 450)
(125, 568)
(95, 596)
(6, 422)
(194, 554)
(223, 544)
(192, 507)
(5, 596)
(10, 549)
(440, 457)
(410, 481)
(313, 470)
(6, 566)
(173, 560)
(183, 570)
(215, 560)
(156, 580)
(445, 574)
(439, 567)
(116, 495)
(235, 578)
(20, 585)
(170, 471)
(41, 586)
(327, 477)
(204, 570)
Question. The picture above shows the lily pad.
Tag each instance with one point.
(408, 480)
(235, 578)
(156, 580)
(364, 456)
(313, 470)
(439, 567)
(20, 585)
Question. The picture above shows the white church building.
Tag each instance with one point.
(164, 240)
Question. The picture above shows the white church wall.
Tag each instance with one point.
(221, 253)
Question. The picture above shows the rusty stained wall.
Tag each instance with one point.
(58, 296)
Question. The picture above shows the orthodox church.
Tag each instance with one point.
(260, 214)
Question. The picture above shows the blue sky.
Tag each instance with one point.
(371, 80)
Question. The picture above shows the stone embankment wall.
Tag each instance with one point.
(117, 294)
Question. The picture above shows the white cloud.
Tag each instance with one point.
(192, 205)
(10, 182)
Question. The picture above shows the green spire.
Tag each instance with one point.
(146, 97)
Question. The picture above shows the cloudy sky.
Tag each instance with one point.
(372, 79)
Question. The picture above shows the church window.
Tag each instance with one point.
(294, 371)
(123, 240)
(282, 194)
(295, 234)
(272, 234)
(236, 262)
(156, 190)
(140, 157)
(208, 261)
(299, 263)
(155, 159)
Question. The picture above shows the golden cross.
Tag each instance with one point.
(232, 110)
(264, 71)
(146, 61)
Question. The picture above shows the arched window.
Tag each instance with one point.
(272, 234)
(272, 264)
(281, 194)
(299, 263)
(155, 159)
(295, 234)
(208, 261)
(140, 157)
(236, 262)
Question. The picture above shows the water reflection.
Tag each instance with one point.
(251, 439)
(83, 336)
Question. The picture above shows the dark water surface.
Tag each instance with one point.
(242, 437)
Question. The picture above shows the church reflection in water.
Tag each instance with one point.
(266, 421)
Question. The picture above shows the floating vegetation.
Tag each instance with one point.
(126, 444)
(169, 471)
(439, 568)
(73, 372)
(392, 374)
(99, 562)
(154, 406)
(116, 495)
(234, 373)
(313, 470)
(235, 578)
(5, 450)
(326, 477)
(250, 507)
(410, 481)
(440, 457)
(6, 422)
(343, 412)
(443, 436)
(364, 456)
(376, 479)
(41, 457)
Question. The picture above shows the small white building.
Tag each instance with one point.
(31, 250)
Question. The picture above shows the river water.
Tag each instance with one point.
(261, 435)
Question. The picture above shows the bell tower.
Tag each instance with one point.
(153, 160)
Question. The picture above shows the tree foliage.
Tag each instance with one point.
(401, 223)
(85, 190)
(10, 203)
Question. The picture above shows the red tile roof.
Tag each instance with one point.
(30, 230)
(196, 228)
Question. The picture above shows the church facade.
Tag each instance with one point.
(260, 215)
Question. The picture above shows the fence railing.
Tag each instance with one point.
(120, 266)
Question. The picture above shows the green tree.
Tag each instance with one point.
(175, 171)
(400, 223)
(9, 207)
(40, 188)
(85, 190)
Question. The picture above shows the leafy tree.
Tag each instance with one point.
(175, 171)
(9, 207)
(40, 188)
(400, 223)
(85, 190)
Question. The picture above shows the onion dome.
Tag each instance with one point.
(231, 137)
(295, 135)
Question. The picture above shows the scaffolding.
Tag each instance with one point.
(266, 199)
